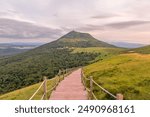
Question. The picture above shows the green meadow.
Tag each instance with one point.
(103, 50)
(128, 74)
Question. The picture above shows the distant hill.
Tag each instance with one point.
(143, 50)
(127, 45)
(11, 51)
(7, 49)
(77, 39)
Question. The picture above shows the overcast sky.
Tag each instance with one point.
(107, 20)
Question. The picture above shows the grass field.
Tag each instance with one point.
(102, 51)
(98, 50)
(128, 74)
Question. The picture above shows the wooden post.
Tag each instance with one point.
(119, 97)
(45, 87)
(63, 74)
(81, 77)
(66, 71)
(59, 75)
(83, 81)
(91, 87)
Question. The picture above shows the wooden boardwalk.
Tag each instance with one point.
(70, 88)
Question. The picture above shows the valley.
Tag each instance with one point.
(10, 49)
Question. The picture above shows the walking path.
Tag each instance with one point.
(70, 88)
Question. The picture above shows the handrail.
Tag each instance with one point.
(86, 88)
(44, 83)
(118, 96)
(44, 91)
(94, 96)
(43, 96)
(37, 90)
(106, 91)
(84, 75)
(53, 87)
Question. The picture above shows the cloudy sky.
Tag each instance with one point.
(107, 20)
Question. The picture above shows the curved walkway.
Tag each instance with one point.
(70, 88)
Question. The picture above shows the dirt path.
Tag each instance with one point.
(70, 88)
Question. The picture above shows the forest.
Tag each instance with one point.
(29, 68)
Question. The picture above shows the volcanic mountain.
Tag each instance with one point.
(78, 39)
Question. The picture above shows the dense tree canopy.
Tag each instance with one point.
(28, 68)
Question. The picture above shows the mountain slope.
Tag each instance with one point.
(77, 39)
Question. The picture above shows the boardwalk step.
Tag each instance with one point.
(68, 88)
(70, 96)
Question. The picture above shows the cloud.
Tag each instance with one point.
(24, 30)
(94, 16)
(111, 26)
(91, 28)
(104, 16)
(126, 24)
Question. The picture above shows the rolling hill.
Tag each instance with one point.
(28, 68)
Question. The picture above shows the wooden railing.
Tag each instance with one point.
(90, 89)
(62, 73)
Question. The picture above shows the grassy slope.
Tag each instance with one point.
(27, 92)
(126, 73)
